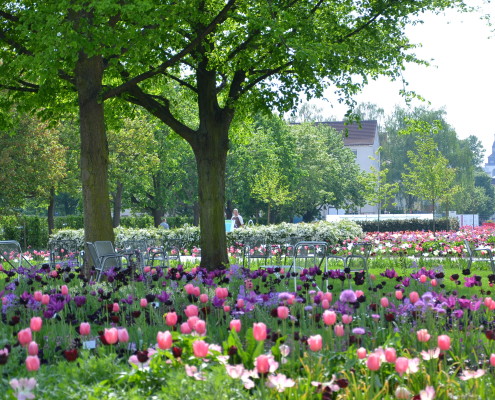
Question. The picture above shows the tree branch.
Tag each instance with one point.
(221, 16)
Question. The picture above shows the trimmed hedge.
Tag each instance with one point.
(29, 231)
(188, 236)
(396, 225)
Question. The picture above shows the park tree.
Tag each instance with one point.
(428, 174)
(231, 56)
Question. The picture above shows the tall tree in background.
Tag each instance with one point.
(428, 175)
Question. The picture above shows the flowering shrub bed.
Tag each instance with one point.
(185, 333)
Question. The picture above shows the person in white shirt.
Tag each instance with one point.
(237, 219)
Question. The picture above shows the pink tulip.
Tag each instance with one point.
(236, 325)
(315, 342)
(111, 335)
(325, 304)
(200, 327)
(192, 321)
(402, 393)
(390, 354)
(226, 309)
(423, 278)
(84, 329)
(171, 319)
(282, 312)
(291, 299)
(262, 364)
(359, 293)
(259, 331)
(221, 293)
(240, 303)
(346, 319)
(196, 291)
(434, 282)
(200, 348)
(123, 335)
(413, 297)
(361, 353)
(384, 302)
(164, 340)
(143, 303)
(444, 342)
(64, 290)
(185, 328)
(399, 295)
(45, 299)
(115, 307)
(373, 362)
(492, 360)
(32, 363)
(36, 324)
(191, 311)
(33, 349)
(147, 269)
(189, 288)
(423, 335)
(328, 296)
(329, 317)
(38, 295)
(339, 330)
(25, 337)
(203, 298)
(401, 365)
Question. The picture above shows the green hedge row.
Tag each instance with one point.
(396, 225)
(32, 231)
(188, 236)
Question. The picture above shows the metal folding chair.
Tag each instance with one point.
(256, 248)
(11, 253)
(104, 256)
(471, 253)
(308, 250)
(169, 249)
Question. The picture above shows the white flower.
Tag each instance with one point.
(23, 388)
(279, 382)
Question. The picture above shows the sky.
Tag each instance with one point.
(460, 79)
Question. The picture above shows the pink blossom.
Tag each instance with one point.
(38, 295)
(64, 290)
(361, 353)
(33, 349)
(171, 319)
(32, 363)
(468, 374)
(339, 330)
(200, 327)
(373, 362)
(23, 388)
(45, 299)
(203, 298)
(390, 354)
(25, 337)
(115, 307)
(329, 317)
(36, 324)
(259, 331)
(164, 340)
(235, 371)
(236, 325)
(423, 335)
(279, 382)
(444, 342)
(185, 328)
(111, 335)
(282, 312)
(84, 329)
(123, 335)
(427, 394)
(191, 311)
(346, 319)
(384, 302)
(401, 365)
(315, 342)
(200, 348)
(143, 303)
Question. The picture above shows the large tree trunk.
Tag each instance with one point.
(157, 214)
(196, 213)
(211, 159)
(117, 204)
(94, 150)
(51, 211)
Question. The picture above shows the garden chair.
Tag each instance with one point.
(64, 252)
(104, 256)
(11, 253)
(305, 251)
(357, 259)
(168, 249)
(256, 248)
(137, 249)
(471, 250)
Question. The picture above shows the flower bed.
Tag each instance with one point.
(403, 333)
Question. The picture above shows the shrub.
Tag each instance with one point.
(395, 225)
